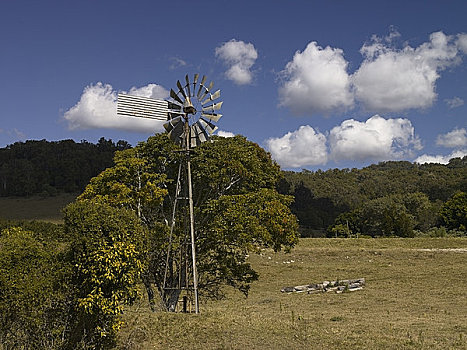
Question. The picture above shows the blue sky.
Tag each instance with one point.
(320, 84)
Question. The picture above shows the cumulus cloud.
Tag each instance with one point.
(454, 139)
(454, 102)
(316, 81)
(462, 42)
(239, 57)
(222, 133)
(390, 78)
(97, 108)
(375, 139)
(299, 148)
(425, 158)
(395, 80)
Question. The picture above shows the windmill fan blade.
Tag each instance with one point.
(212, 116)
(174, 114)
(174, 106)
(180, 88)
(193, 138)
(175, 129)
(198, 135)
(211, 84)
(212, 97)
(202, 134)
(195, 80)
(188, 84)
(206, 91)
(201, 85)
(208, 126)
(174, 95)
(170, 125)
(213, 107)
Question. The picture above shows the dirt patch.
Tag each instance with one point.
(457, 250)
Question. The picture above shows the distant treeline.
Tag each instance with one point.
(389, 198)
(372, 200)
(47, 168)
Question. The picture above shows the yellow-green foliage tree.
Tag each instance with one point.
(108, 254)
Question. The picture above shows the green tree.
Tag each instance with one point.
(240, 224)
(33, 300)
(108, 254)
(385, 216)
(453, 213)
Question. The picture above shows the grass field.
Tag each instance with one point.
(35, 208)
(415, 298)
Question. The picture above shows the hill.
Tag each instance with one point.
(51, 167)
(321, 196)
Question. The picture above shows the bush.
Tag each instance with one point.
(33, 305)
(107, 255)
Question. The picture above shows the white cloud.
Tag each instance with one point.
(222, 133)
(316, 81)
(395, 80)
(462, 42)
(97, 108)
(239, 57)
(375, 139)
(300, 148)
(453, 139)
(390, 79)
(425, 158)
(14, 133)
(177, 63)
(454, 102)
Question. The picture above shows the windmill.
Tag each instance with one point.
(190, 114)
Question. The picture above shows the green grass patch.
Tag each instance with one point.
(414, 298)
(35, 208)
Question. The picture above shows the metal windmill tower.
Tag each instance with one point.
(190, 116)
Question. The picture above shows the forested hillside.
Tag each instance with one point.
(389, 198)
(321, 196)
(46, 168)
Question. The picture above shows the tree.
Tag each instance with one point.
(453, 213)
(33, 299)
(236, 209)
(108, 254)
(240, 224)
(390, 215)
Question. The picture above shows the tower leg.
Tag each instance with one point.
(192, 234)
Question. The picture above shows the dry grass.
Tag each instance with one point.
(413, 299)
(35, 208)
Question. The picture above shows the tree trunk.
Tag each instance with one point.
(171, 299)
(149, 290)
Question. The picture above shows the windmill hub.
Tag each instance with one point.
(188, 107)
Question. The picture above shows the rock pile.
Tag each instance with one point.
(338, 286)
